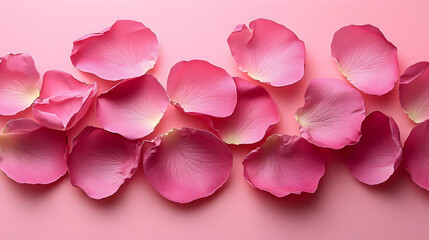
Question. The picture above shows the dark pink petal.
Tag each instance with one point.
(283, 165)
(268, 52)
(366, 58)
(254, 114)
(133, 107)
(187, 164)
(63, 100)
(416, 154)
(414, 91)
(378, 153)
(198, 87)
(100, 161)
(30, 153)
(332, 114)
(127, 49)
(19, 83)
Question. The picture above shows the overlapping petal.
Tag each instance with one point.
(198, 87)
(63, 100)
(416, 154)
(133, 107)
(30, 153)
(19, 83)
(414, 91)
(127, 49)
(332, 114)
(254, 114)
(187, 164)
(283, 165)
(268, 52)
(366, 58)
(101, 161)
(378, 153)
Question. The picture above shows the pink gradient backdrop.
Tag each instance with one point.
(342, 208)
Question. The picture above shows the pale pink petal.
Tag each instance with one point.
(100, 161)
(416, 154)
(30, 153)
(414, 91)
(268, 52)
(127, 49)
(133, 107)
(63, 100)
(283, 165)
(332, 114)
(187, 164)
(378, 153)
(366, 58)
(254, 114)
(19, 83)
(198, 87)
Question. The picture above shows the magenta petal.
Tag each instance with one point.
(268, 52)
(187, 164)
(63, 100)
(332, 114)
(366, 58)
(198, 87)
(100, 161)
(127, 49)
(19, 83)
(414, 91)
(133, 107)
(378, 153)
(254, 114)
(283, 165)
(30, 153)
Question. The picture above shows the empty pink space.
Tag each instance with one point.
(341, 208)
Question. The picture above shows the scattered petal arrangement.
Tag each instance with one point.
(187, 164)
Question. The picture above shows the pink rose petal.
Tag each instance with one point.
(100, 161)
(268, 52)
(133, 107)
(254, 114)
(416, 154)
(127, 49)
(198, 87)
(414, 91)
(378, 153)
(187, 164)
(332, 114)
(19, 83)
(366, 58)
(283, 165)
(30, 153)
(63, 100)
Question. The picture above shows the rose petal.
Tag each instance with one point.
(332, 114)
(254, 114)
(268, 52)
(133, 107)
(30, 153)
(19, 83)
(127, 49)
(378, 153)
(414, 92)
(416, 154)
(198, 87)
(366, 58)
(63, 100)
(100, 161)
(187, 164)
(283, 165)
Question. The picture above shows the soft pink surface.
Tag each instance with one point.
(342, 207)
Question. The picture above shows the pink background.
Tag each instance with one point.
(342, 208)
